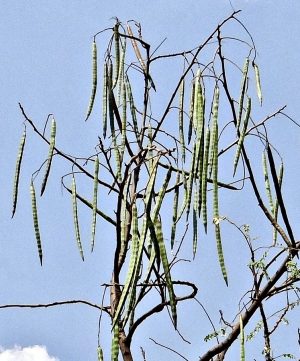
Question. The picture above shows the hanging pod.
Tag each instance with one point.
(181, 129)
(191, 112)
(257, 81)
(165, 263)
(135, 260)
(100, 354)
(195, 220)
(280, 178)
(50, 155)
(94, 79)
(204, 179)
(243, 92)
(175, 209)
(104, 99)
(36, 222)
(267, 182)
(95, 196)
(242, 136)
(17, 172)
(215, 186)
(115, 343)
(117, 53)
(132, 108)
(75, 216)
(242, 339)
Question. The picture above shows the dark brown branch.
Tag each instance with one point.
(160, 307)
(169, 348)
(57, 303)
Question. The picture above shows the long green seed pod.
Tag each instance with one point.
(242, 338)
(150, 151)
(243, 91)
(75, 217)
(280, 178)
(190, 183)
(100, 354)
(165, 262)
(191, 112)
(185, 196)
(181, 130)
(94, 86)
(121, 73)
(142, 238)
(112, 125)
(132, 108)
(215, 186)
(17, 172)
(124, 224)
(196, 99)
(258, 84)
(95, 196)
(242, 136)
(132, 264)
(204, 179)
(134, 253)
(36, 222)
(117, 53)
(161, 194)
(115, 343)
(124, 119)
(50, 155)
(267, 182)
(195, 220)
(175, 210)
(104, 99)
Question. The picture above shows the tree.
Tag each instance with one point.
(149, 164)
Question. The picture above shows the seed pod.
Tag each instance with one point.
(267, 183)
(280, 178)
(242, 136)
(75, 217)
(175, 210)
(132, 265)
(104, 99)
(195, 220)
(204, 179)
(50, 155)
(243, 91)
(242, 338)
(191, 116)
(165, 262)
(100, 354)
(117, 53)
(17, 172)
(95, 196)
(124, 119)
(36, 222)
(258, 84)
(94, 87)
(181, 130)
(132, 108)
(215, 186)
(115, 343)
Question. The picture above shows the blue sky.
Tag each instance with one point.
(46, 65)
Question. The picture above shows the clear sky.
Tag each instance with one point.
(45, 64)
